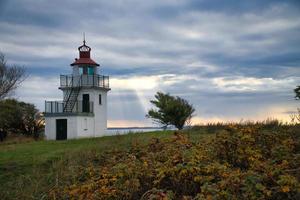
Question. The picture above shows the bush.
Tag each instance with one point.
(241, 162)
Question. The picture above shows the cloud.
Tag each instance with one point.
(36, 90)
(135, 83)
(240, 84)
(247, 98)
(230, 59)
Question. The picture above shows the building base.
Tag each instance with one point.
(72, 127)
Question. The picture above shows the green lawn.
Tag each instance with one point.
(40, 152)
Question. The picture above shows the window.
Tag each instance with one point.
(91, 70)
(100, 99)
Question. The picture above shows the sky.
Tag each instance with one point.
(233, 60)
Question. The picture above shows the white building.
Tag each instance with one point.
(83, 111)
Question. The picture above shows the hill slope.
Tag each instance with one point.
(232, 162)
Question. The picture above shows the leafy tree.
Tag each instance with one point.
(10, 115)
(20, 117)
(297, 92)
(171, 110)
(10, 77)
(32, 120)
(296, 117)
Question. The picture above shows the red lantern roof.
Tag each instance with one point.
(84, 56)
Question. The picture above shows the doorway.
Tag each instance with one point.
(85, 103)
(61, 129)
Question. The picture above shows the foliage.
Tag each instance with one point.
(296, 116)
(297, 92)
(10, 77)
(242, 162)
(28, 169)
(171, 110)
(262, 162)
(20, 117)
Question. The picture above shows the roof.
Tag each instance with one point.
(84, 61)
(84, 56)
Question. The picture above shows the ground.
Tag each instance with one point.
(249, 161)
(20, 160)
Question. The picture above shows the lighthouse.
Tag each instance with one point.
(83, 110)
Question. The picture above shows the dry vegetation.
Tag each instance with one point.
(233, 161)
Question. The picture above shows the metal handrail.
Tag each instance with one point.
(57, 107)
(68, 95)
(85, 80)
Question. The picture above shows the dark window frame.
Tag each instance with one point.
(100, 99)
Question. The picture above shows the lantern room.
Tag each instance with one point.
(84, 65)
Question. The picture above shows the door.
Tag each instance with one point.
(85, 103)
(61, 129)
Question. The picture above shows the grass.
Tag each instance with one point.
(42, 151)
(35, 159)
(39, 152)
(30, 169)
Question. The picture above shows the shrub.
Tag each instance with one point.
(241, 162)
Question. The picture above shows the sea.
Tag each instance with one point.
(122, 131)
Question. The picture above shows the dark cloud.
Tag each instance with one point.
(238, 7)
(215, 47)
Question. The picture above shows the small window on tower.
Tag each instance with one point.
(91, 71)
(80, 70)
(100, 99)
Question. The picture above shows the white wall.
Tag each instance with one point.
(73, 129)
(83, 126)
(50, 128)
(100, 111)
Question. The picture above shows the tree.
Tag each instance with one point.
(10, 115)
(10, 77)
(297, 92)
(171, 110)
(32, 120)
(296, 117)
(20, 118)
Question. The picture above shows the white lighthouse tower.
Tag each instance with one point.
(83, 111)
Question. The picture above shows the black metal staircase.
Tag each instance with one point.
(70, 98)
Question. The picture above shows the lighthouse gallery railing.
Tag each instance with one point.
(84, 80)
(58, 107)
